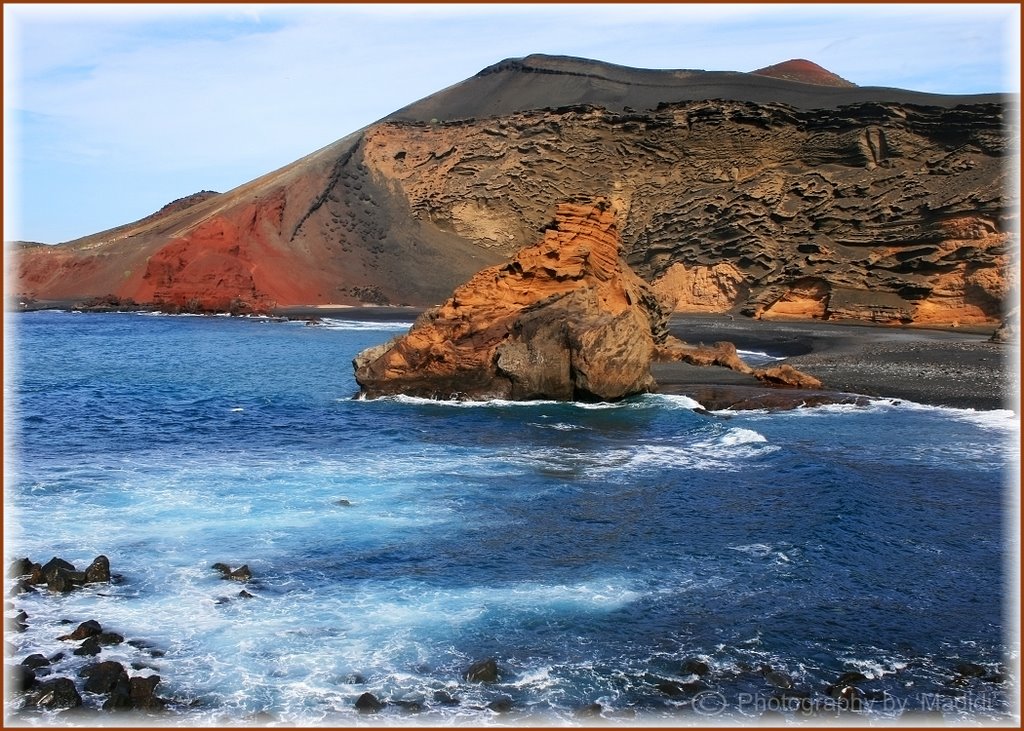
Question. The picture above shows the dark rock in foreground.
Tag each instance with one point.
(484, 671)
(368, 703)
(55, 694)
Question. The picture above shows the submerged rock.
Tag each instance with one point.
(778, 679)
(564, 319)
(484, 671)
(242, 573)
(694, 666)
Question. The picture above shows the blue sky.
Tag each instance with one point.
(113, 111)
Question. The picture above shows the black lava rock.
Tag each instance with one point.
(484, 671)
(98, 571)
(88, 628)
(54, 694)
(368, 703)
(102, 677)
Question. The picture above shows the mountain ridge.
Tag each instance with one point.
(403, 210)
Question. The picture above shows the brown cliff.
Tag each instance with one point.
(564, 319)
(771, 197)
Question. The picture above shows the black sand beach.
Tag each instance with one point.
(958, 368)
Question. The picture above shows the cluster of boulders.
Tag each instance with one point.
(58, 575)
(109, 678)
(29, 678)
(123, 692)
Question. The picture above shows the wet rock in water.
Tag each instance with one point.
(21, 678)
(23, 586)
(778, 679)
(109, 638)
(445, 698)
(999, 676)
(143, 693)
(592, 710)
(242, 573)
(851, 678)
(694, 666)
(88, 628)
(354, 679)
(343, 502)
(501, 705)
(243, 594)
(484, 671)
(98, 571)
(850, 697)
(368, 703)
(17, 623)
(59, 581)
(55, 694)
(25, 568)
(674, 688)
(53, 565)
(409, 706)
(120, 698)
(102, 677)
(89, 646)
(970, 670)
(34, 662)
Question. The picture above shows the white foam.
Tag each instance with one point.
(727, 451)
(753, 549)
(672, 401)
(559, 426)
(756, 357)
(739, 435)
(330, 323)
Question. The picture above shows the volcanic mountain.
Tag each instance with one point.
(786, 192)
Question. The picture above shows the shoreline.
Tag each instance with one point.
(952, 367)
(957, 368)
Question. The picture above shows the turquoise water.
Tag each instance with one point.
(591, 550)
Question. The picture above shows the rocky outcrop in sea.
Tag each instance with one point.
(565, 319)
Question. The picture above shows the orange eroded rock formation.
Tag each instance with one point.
(565, 319)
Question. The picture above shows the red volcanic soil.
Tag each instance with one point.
(804, 71)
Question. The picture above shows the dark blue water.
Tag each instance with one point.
(591, 550)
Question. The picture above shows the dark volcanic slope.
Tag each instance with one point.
(544, 82)
(734, 191)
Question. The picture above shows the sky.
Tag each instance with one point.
(110, 112)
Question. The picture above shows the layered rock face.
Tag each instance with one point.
(872, 212)
(782, 193)
(564, 319)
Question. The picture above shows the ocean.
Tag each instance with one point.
(633, 563)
